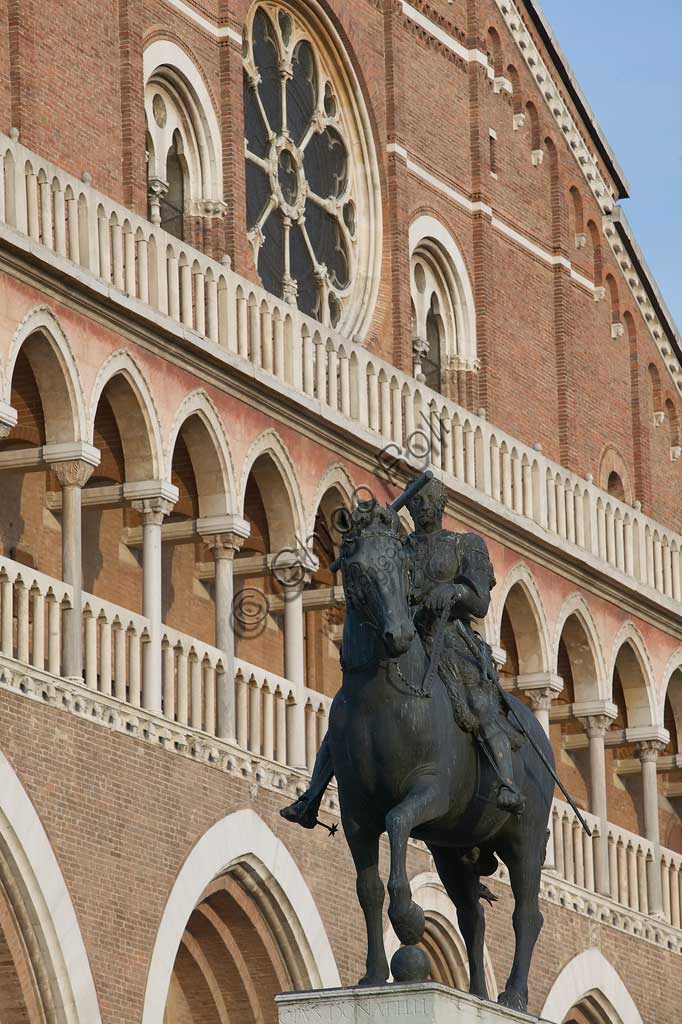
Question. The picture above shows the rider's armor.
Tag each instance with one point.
(460, 560)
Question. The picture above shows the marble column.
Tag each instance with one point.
(224, 546)
(152, 511)
(294, 669)
(648, 751)
(73, 474)
(596, 726)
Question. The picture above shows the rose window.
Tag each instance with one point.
(303, 191)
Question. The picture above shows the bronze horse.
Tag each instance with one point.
(404, 767)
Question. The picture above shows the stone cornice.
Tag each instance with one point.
(71, 697)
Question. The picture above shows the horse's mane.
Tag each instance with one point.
(368, 517)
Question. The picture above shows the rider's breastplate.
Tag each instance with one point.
(435, 560)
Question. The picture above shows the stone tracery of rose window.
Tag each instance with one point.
(300, 179)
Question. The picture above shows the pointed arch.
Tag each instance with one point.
(45, 904)
(135, 412)
(188, 113)
(269, 459)
(597, 255)
(202, 429)
(242, 840)
(41, 337)
(336, 478)
(576, 625)
(531, 630)
(587, 973)
(431, 239)
(630, 655)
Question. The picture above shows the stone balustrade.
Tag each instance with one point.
(128, 255)
(131, 256)
(112, 649)
(192, 677)
(32, 606)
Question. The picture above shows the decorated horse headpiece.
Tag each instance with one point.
(369, 519)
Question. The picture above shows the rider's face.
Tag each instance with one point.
(425, 513)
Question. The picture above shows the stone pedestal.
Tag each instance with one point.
(422, 1003)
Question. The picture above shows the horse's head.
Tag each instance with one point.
(375, 571)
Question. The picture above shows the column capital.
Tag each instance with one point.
(228, 525)
(596, 716)
(224, 545)
(72, 461)
(648, 750)
(541, 699)
(153, 510)
(545, 683)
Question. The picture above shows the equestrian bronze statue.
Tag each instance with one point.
(423, 741)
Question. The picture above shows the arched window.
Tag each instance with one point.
(311, 193)
(614, 486)
(184, 173)
(443, 314)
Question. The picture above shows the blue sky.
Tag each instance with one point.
(626, 57)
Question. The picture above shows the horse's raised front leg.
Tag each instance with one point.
(364, 847)
(462, 884)
(524, 874)
(427, 801)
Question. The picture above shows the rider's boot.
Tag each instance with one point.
(509, 797)
(304, 810)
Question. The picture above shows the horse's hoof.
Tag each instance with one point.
(513, 1000)
(409, 924)
(373, 980)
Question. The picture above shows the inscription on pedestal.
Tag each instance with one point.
(412, 1008)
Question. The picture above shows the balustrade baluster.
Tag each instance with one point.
(129, 262)
(677, 590)
(665, 887)
(59, 221)
(90, 649)
(141, 247)
(278, 346)
(46, 213)
(268, 723)
(620, 544)
(622, 873)
(308, 363)
(209, 675)
(212, 323)
(173, 284)
(675, 895)
(117, 254)
(567, 840)
(242, 687)
(120, 660)
(578, 854)
(22, 603)
(446, 461)
(186, 299)
(54, 639)
(320, 370)
(458, 447)
(517, 482)
(32, 205)
(168, 679)
(267, 354)
(560, 508)
(469, 456)
(254, 717)
(310, 736)
(633, 888)
(199, 284)
(613, 866)
(527, 487)
(373, 399)
(104, 629)
(642, 886)
(242, 325)
(658, 564)
(601, 531)
(385, 407)
(182, 670)
(332, 376)
(135, 669)
(195, 696)
(38, 623)
(280, 728)
(589, 851)
(557, 834)
(344, 382)
(667, 571)
(570, 511)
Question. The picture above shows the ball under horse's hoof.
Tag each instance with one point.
(513, 1000)
(410, 963)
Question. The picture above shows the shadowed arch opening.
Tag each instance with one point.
(239, 925)
(522, 632)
